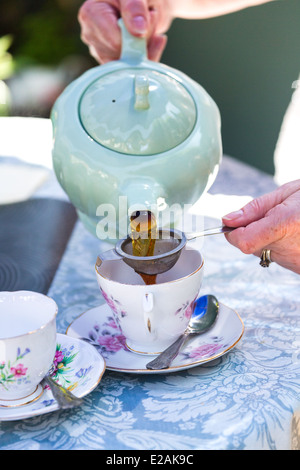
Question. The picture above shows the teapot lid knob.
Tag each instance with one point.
(141, 90)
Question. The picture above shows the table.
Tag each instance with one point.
(246, 399)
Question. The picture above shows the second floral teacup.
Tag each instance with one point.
(27, 343)
(151, 317)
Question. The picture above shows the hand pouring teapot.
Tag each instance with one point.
(136, 133)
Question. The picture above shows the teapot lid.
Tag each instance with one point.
(137, 110)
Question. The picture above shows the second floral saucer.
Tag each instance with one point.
(78, 367)
(98, 326)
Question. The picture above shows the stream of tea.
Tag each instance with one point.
(144, 232)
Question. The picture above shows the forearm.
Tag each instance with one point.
(193, 9)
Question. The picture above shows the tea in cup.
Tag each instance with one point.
(27, 342)
(151, 316)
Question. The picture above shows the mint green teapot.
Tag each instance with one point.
(133, 134)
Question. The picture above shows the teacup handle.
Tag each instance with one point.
(148, 302)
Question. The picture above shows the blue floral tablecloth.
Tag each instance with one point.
(246, 399)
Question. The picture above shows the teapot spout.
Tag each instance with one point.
(143, 194)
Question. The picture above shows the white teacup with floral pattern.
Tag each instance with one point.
(27, 342)
(151, 317)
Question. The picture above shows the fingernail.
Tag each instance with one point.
(234, 215)
(139, 24)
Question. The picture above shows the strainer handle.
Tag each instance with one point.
(211, 231)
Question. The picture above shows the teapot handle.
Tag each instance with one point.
(134, 50)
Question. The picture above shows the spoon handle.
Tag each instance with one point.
(210, 231)
(166, 357)
(64, 397)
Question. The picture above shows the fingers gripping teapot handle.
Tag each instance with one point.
(134, 49)
(148, 304)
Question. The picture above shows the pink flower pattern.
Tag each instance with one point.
(112, 324)
(110, 302)
(15, 371)
(187, 309)
(19, 370)
(204, 350)
(112, 343)
(108, 336)
(59, 356)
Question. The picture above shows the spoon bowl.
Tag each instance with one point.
(204, 316)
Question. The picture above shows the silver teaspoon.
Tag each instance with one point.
(203, 318)
(64, 397)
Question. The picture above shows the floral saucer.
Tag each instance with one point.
(98, 326)
(78, 367)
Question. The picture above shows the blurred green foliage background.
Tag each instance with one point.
(44, 31)
(38, 39)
